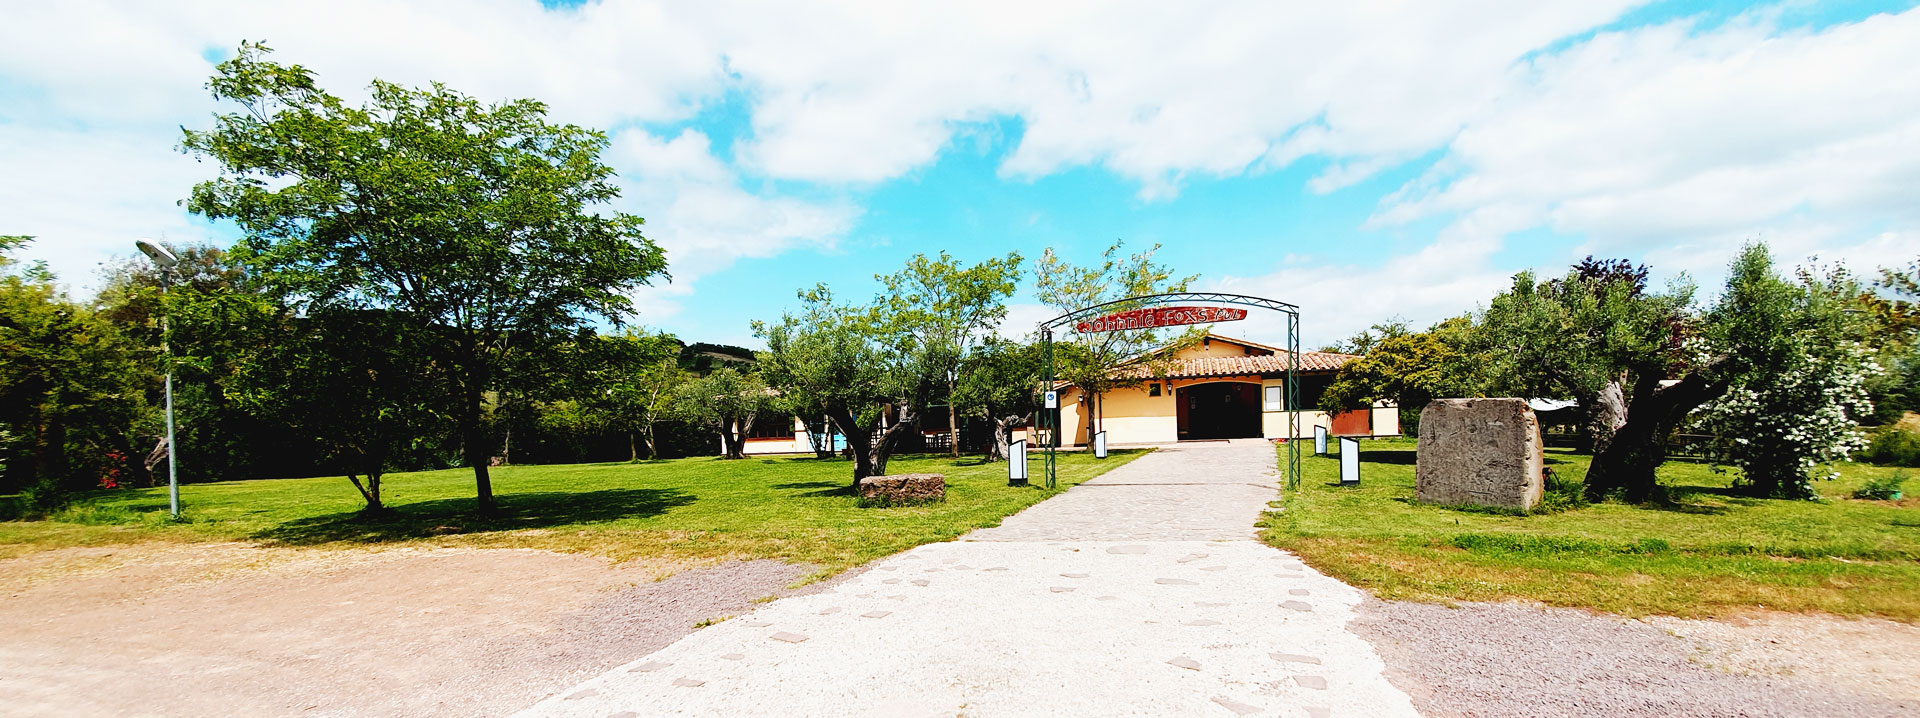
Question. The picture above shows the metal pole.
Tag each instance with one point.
(1293, 400)
(1048, 417)
(166, 348)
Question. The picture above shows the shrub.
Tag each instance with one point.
(1882, 488)
(1896, 445)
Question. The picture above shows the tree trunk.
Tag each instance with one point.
(822, 440)
(1629, 462)
(1606, 413)
(883, 449)
(646, 436)
(1092, 403)
(1000, 449)
(953, 422)
(859, 441)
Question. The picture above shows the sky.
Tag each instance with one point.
(1363, 160)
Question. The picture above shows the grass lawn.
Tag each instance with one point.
(797, 509)
(1708, 552)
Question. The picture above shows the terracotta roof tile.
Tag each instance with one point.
(1263, 364)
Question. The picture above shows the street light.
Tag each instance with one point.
(166, 262)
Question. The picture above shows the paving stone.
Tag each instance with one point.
(1074, 575)
(901, 597)
(1313, 682)
(1293, 658)
(756, 624)
(1107, 598)
(1210, 604)
(1297, 605)
(648, 667)
(1190, 558)
(1202, 622)
(1319, 712)
(623, 714)
(889, 568)
(1184, 662)
(1288, 575)
(735, 656)
(588, 693)
(829, 610)
(998, 568)
(963, 567)
(920, 582)
(1297, 592)
(876, 614)
(1127, 549)
(1214, 568)
(891, 581)
(689, 682)
(1174, 582)
(1237, 707)
(1061, 589)
(789, 637)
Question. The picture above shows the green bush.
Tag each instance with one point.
(1895, 445)
(1882, 488)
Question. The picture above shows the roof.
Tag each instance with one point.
(1261, 364)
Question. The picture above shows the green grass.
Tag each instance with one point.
(1707, 551)
(796, 509)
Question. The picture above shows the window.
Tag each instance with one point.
(771, 427)
(1273, 399)
(1153, 389)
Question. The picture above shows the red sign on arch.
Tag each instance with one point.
(1151, 317)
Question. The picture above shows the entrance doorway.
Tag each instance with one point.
(1219, 410)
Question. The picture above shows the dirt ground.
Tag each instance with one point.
(1513, 660)
(238, 630)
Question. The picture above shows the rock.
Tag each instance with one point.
(903, 489)
(1484, 452)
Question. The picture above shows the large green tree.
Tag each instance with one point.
(1067, 287)
(1409, 369)
(630, 386)
(938, 309)
(483, 224)
(1000, 382)
(728, 402)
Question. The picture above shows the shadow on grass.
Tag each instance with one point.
(443, 517)
(822, 489)
(1379, 456)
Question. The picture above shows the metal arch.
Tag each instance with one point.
(1166, 298)
(1290, 400)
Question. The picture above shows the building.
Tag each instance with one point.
(1219, 388)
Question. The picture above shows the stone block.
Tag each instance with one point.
(903, 489)
(1483, 452)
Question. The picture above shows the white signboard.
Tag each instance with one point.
(1349, 462)
(1017, 463)
(1319, 440)
(1053, 400)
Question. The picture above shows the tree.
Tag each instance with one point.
(71, 386)
(940, 310)
(1795, 404)
(726, 401)
(483, 225)
(1410, 370)
(833, 359)
(1067, 288)
(1000, 382)
(1365, 340)
(633, 385)
(354, 382)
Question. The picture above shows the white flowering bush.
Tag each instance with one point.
(1788, 422)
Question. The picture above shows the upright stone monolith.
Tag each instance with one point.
(1484, 452)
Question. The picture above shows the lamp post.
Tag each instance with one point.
(166, 262)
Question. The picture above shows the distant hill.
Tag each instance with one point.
(701, 357)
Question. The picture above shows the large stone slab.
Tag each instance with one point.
(1484, 452)
(903, 489)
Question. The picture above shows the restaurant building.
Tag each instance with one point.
(1218, 388)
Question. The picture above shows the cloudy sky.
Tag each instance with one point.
(1362, 159)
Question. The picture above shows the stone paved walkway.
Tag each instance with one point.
(1140, 593)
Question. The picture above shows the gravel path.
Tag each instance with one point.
(1516, 661)
(1141, 593)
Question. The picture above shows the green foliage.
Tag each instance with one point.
(937, 310)
(1576, 335)
(1000, 382)
(1796, 405)
(1897, 444)
(71, 389)
(726, 401)
(482, 223)
(1410, 370)
(1885, 487)
(1090, 362)
(1365, 340)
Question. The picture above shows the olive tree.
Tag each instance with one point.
(482, 224)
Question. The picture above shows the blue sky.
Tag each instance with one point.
(1365, 162)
